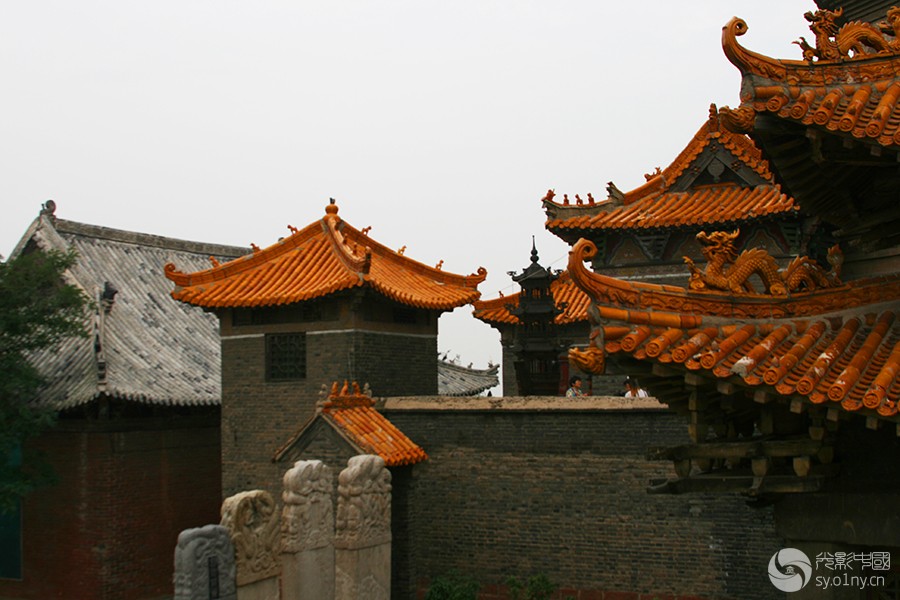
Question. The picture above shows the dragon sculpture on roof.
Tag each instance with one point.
(850, 40)
(728, 271)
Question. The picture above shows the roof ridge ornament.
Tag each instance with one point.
(48, 209)
(730, 272)
(349, 253)
(852, 40)
(348, 396)
(713, 117)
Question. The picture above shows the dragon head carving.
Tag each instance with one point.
(719, 245)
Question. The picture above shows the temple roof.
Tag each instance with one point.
(829, 123)
(719, 178)
(848, 363)
(145, 348)
(457, 380)
(838, 345)
(497, 311)
(351, 413)
(853, 91)
(325, 257)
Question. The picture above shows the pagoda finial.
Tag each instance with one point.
(534, 252)
(332, 207)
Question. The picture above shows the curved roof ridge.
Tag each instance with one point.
(633, 301)
(841, 86)
(324, 257)
(663, 202)
(435, 273)
(246, 262)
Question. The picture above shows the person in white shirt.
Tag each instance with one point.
(634, 390)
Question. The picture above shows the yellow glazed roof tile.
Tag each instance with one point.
(325, 257)
(661, 203)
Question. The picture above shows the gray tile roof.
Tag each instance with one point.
(456, 380)
(156, 350)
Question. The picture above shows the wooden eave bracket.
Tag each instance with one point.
(739, 449)
(759, 479)
(745, 483)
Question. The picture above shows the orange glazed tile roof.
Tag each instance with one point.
(850, 363)
(676, 197)
(564, 291)
(350, 412)
(325, 257)
(852, 94)
(838, 346)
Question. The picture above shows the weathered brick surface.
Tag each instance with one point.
(107, 529)
(258, 416)
(517, 493)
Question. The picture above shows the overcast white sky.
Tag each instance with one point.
(440, 124)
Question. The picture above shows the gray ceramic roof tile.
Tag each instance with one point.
(157, 350)
(456, 380)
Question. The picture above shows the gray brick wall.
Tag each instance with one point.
(516, 493)
(258, 417)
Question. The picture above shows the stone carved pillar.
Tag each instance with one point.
(363, 531)
(204, 564)
(253, 524)
(307, 532)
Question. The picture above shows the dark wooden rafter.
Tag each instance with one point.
(745, 483)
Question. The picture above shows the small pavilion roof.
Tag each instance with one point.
(351, 413)
(838, 346)
(325, 257)
(497, 311)
(719, 178)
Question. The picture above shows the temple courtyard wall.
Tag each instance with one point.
(515, 487)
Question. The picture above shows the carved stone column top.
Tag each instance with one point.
(364, 503)
(307, 517)
(253, 523)
(306, 479)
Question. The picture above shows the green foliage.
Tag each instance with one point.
(37, 311)
(538, 587)
(452, 586)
